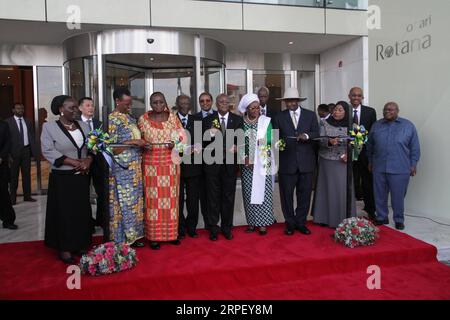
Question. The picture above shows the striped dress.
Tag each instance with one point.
(161, 179)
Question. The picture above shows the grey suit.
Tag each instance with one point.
(57, 144)
(21, 157)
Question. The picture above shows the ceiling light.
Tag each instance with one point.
(291, 42)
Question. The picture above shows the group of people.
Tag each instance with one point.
(142, 190)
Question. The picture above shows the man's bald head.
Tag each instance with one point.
(356, 96)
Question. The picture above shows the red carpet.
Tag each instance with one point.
(248, 267)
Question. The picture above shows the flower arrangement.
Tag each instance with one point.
(280, 145)
(99, 141)
(354, 232)
(358, 138)
(108, 258)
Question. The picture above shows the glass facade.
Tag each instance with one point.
(336, 4)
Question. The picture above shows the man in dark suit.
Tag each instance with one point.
(206, 101)
(263, 95)
(99, 168)
(297, 127)
(23, 147)
(366, 116)
(191, 170)
(7, 214)
(221, 168)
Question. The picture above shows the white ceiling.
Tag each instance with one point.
(52, 33)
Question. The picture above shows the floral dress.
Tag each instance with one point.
(126, 196)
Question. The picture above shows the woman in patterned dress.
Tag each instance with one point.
(257, 189)
(126, 196)
(161, 173)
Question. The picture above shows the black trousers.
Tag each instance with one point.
(7, 213)
(189, 186)
(100, 179)
(221, 190)
(22, 163)
(360, 169)
(204, 201)
(302, 184)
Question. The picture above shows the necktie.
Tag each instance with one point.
(90, 124)
(263, 112)
(294, 119)
(22, 138)
(223, 125)
(355, 116)
(184, 122)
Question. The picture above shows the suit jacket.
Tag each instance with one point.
(368, 118)
(16, 142)
(99, 163)
(235, 122)
(5, 144)
(299, 155)
(192, 170)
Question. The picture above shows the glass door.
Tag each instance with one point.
(174, 82)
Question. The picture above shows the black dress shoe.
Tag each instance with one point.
(181, 236)
(228, 235)
(193, 234)
(250, 229)
(66, 258)
(381, 222)
(176, 242)
(304, 230)
(10, 226)
(213, 237)
(137, 244)
(399, 226)
(262, 231)
(289, 231)
(29, 200)
(154, 245)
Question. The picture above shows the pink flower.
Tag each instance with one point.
(92, 269)
(125, 250)
(361, 224)
(355, 231)
(98, 258)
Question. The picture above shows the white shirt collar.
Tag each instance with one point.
(183, 117)
(17, 118)
(84, 119)
(225, 116)
(359, 109)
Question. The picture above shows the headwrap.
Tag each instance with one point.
(246, 101)
(343, 123)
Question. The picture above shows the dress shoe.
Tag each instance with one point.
(399, 226)
(10, 226)
(381, 222)
(154, 245)
(137, 244)
(29, 200)
(66, 258)
(228, 235)
(80, 252)
(262, 231)
(250, 229)
(176, 242)
(303, 230)
(181, 236)
(213, 237)
(289, 231)
(193, 234)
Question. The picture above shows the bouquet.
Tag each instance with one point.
(358, 140)
(280, 145)
(108, 258)
(99, 141)
(265, 154)
(356, 232)
(178, 138)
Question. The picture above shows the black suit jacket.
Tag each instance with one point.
(5, 149)
(200, 114)
(192, 170)
(297, 155)
(368, 118)
(235, 122)
(16, 143)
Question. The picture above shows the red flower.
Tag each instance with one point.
(361, 224)
(355, 231)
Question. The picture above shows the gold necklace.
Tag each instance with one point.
(69, 126)
(252, 121)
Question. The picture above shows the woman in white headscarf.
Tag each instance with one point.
(257, 188)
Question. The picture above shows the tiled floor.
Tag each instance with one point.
(31, 222)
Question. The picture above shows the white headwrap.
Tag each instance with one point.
(246, 101)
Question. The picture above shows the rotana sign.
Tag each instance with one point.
(387, 51)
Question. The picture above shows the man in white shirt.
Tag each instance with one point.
(23, 147)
